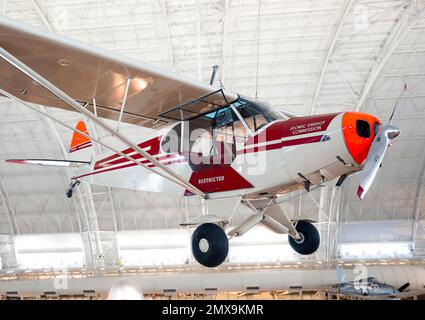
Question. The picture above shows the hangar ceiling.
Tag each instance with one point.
(305, 56)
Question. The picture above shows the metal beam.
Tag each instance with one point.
(354, 92)
(64, 152)
(91, 252)
(112, 205)
(418, 200)
(321, 204)
(87, 202)
(13, 227)
(167, 18)
(4, 7)
(55, 132)
(61, 146)
(331, 47)
(225, 26)
(43, 18)
(198, 38)
(398, 34)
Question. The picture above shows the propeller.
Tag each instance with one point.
(385, 134)
(404, 287)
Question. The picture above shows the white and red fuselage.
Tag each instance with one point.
(276, 159)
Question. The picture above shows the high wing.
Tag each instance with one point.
(85, 72)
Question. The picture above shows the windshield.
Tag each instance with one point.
(256, 114)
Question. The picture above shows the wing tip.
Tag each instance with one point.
(18, 161)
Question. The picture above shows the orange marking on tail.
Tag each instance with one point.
(78, 139)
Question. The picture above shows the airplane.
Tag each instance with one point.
(370, 288)
(227, 149)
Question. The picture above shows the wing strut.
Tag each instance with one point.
(74, 104)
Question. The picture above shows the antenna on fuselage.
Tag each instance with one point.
(213, 74)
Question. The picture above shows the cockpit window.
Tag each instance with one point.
(363, 128)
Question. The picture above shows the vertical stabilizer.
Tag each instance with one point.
(81, 147)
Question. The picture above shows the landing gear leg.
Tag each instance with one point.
(302, 235)
(70, 190)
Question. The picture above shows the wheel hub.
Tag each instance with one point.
(301, 239)
(204, 245)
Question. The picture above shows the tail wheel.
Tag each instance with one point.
(69, 193)
(310, 238)
(210, 245)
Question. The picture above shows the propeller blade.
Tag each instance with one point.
(373, 162)
(378, 149)
(404, 287)
(375, 157)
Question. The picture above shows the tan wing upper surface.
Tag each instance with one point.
(85, 72)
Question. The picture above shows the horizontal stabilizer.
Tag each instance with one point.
(50, 163)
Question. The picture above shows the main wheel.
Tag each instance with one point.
(210, 245)
(310, 238)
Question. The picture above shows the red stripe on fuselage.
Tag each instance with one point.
(128, 166)
(80, 147)
(282, 144)
(135, 157)
(292, 128)
(154, 150)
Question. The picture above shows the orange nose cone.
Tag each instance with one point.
(359, 131)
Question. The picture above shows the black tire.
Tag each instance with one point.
(215, 242)
(310, 238)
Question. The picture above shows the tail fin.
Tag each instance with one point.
(341, 275)
(81, 147)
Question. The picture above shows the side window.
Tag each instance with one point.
(171, 141)
(235, 134)
(202, 142)
(363, 128)
(260, 121)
